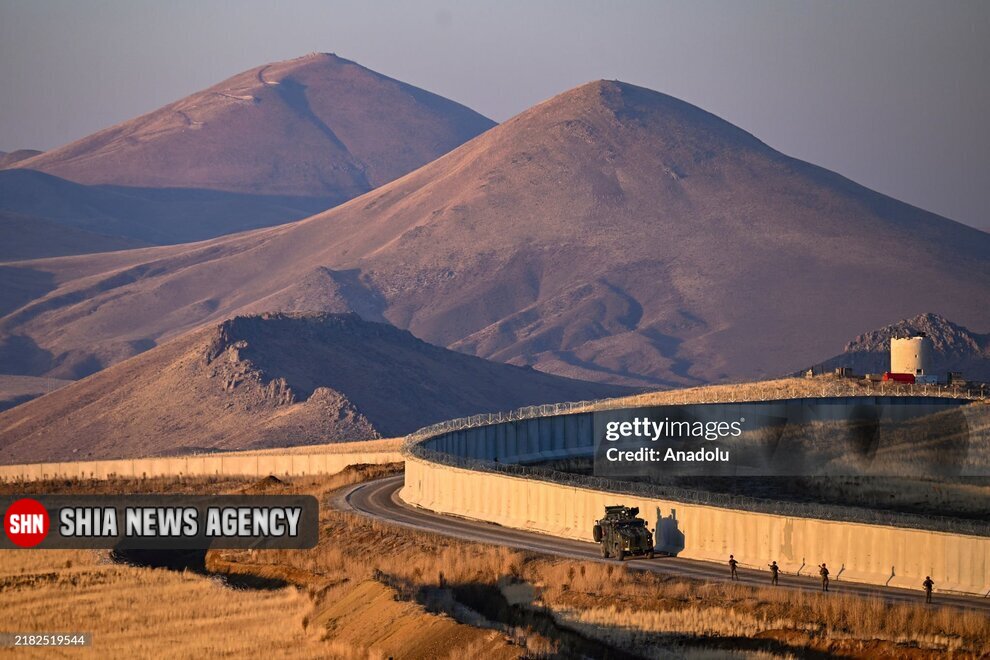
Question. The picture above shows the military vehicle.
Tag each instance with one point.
(622, 533)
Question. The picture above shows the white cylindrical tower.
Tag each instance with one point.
(911, 355)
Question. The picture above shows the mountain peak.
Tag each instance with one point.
(619, 105)
(946, 336)
(273, 380)
(610, 233)
(315, 126)
(323, 63)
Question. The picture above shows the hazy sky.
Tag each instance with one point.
(892, 93)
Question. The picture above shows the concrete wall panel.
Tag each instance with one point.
(853, 551)
(174, 465)
(239, 466)
(232, 464)
(200, 466)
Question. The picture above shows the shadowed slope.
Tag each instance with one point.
(35, 207)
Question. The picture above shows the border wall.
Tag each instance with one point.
(865, 552)
(550, 437)
(224, 465)
(874, 554)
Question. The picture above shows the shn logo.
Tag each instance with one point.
(26, 523)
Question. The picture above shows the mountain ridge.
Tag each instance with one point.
(270, 145)
(955, 348)
(363, 148)
(611, 233)
(272, 380)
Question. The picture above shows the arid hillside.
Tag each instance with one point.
(264, 381)
(317, 125)
(955, 348)
(270, 145)
(611, 233)
(15, 390)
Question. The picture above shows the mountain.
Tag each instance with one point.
(272, 380)
(612, 233)
(315, 126)
(271, 145)
(955, 348)
(7, 159)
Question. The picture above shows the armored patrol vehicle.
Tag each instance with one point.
(622, 533)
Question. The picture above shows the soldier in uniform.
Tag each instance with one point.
(732, 567)
(929, 585)
(774, 571)
(823, 571)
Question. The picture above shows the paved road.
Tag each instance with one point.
(379, 499)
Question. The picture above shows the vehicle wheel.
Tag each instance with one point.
(596, 532)
(604, 550)
(621, 555)
(650, 554)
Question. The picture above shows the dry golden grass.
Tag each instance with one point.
(678, 606)
(367, 617)
(122, 485)
(369, 586)
(143, 612)
(622, 606)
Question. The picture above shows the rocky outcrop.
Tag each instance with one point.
(956, 348)
(272, 380)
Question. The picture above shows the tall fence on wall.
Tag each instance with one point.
(415, 446)
(827, 389)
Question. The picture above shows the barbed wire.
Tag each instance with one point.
(831, 388)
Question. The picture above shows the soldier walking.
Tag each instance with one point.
(823, 571)
(732, 567)
(929, 585)
(774, 571)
